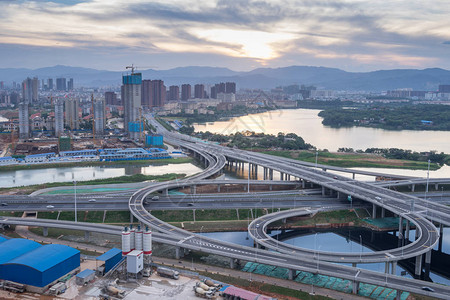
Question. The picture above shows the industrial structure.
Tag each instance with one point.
(29, 263)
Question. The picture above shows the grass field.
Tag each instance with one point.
(353, 160)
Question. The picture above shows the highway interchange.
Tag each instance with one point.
(215, 157)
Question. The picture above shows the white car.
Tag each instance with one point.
(92, 200)
(50, 206)
(378, 198)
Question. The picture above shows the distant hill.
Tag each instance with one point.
(263, 78)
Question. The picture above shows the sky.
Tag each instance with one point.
(353, 35)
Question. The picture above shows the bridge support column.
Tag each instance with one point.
(45, 231)
(441, 237)
(324, 169)
(323, 191)
(338, 195)
(400, 228)
(353, 176)
(218, 188)
(193, 214)
(436, 186)
(232, 263)
(283, 220)
(131, 218)
(104, 216)
(408, 227)
(428, 263)
(270, 187)
(194, 189)
(288, 177)
(264, 173)
(418, 267)
(394, 267)
(303, 183)
(281, 176)
(383, 212)
(271, 174)
(374, 211)
(87, 236)
(291, 273)
(179, 252)
(237, 213)
(166, 192)
(413, 187)
(355, 287)
(386, 267)
(398, 295)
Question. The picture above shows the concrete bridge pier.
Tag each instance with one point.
(166, 192)
(232, 265)
(408, 227)
(394, 267)
(194, 189)
(323, 191)
(398, 295)
(400, 228)
(383, 212)
(303, 183)
(270, 174)
(45, 231)
(355, 287)
(281, 176)
(291, 273)
(87, 236)
(288, 177)
(418, 267)
(436, 186)
(374, 211)
(441, 237)
(218, 188)
(427, 263)
(179, 252)
(413, 187)
(353, 176)
(386, 267)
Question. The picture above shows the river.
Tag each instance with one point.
(307, 124)
(68, 174)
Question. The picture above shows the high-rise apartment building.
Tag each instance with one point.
(199, 91)
(99, 117)
(24, 121)
(70, 84)
(174, 93)
(153, 93)
(71, 114)
(230, 88)
(59, 117)
(61, 84)
(131, 100)
(185, 92)
(30, 90)
(444, 88)
(50, 84)
(111, 98)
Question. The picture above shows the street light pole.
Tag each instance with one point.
(428, 179)
(317, 154)
(75, 192)
(248, 177)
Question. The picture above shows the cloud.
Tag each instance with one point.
(353, 33)
(446, 43)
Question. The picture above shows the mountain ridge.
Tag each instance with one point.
(260, 78)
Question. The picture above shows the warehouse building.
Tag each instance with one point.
(30, 263)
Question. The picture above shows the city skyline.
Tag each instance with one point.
(354, 35)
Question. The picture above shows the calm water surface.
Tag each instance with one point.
(39, 176)
(307, 124)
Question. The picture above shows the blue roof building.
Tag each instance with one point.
(111, 258)
(30, 263)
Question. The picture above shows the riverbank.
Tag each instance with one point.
(25, 190)
(153, 162)
(351, 160)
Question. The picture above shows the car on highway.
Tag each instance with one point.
(155, 198)
(4, 204)
(92, 200)
(50, 206)
(427, 288)
(378, 198)
(257, 225)
(335, 177)
(190, 204)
